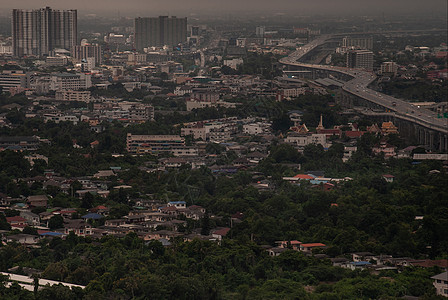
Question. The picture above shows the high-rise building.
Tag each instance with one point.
(260, 30)
(37, 32)
(86, 51)
(358, 42)
(360, 59)
(158, 32)
(389, 68)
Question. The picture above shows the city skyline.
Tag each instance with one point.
(171, 7)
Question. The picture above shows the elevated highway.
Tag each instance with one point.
(418, 124)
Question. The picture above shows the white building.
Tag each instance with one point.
(59, 118)
(56, 61)
(257, 128)
(198, 132)
(63, 95)
(69, 81)
(13, 78)
(301, 140)
(233, 63)
(141, 112)
(182, 90)
(441, 284)
(293, 92)
(348, 152)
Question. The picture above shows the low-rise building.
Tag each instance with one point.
(37, 201)
(441, 284)
(385, 148)
(29, 143)
(152, 144)
(257, 128)
(308, 248)
(301, 140)
(70, 95)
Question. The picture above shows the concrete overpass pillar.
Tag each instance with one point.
(431, 140)
(445, 143)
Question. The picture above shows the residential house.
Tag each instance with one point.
(79, 227)
(169, 210)
(5, 200)
(389, 178)
(276, 251)
(174, 162)
(428, 263)
(362, 256)
(441, 284)
(220, 233)
(308, 248)
(26, 239)
(354, 265)
(294, 245)
(339, 261)
(104, 174)
(16, 220)
(115, 222)
(31, 218)
(178, 204)
(162, 234)
(255, 157)
(100, 209)
(194, 212)
(37, 201)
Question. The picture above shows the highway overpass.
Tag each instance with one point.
(415, 123)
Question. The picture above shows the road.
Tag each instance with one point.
(358, 86)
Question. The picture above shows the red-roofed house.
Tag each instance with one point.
(427, 263)
(328, 186)
(304, 177)
(309, 247)
(94, 144)
(170, 210)
(100, 209)
(16, 220)
(388, 177)
(220, 233)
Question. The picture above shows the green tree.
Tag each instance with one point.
(56, 222)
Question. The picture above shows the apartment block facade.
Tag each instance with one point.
(37, 32)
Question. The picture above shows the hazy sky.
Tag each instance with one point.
(186, 7)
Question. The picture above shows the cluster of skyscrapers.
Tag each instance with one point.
(37, 32)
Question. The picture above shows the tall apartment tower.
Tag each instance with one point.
(86, 51)
(37, 32)
(159, 32)
(360, 59)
